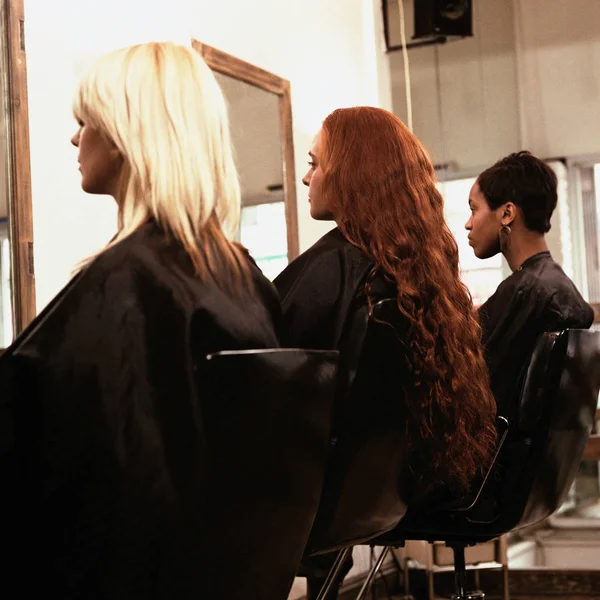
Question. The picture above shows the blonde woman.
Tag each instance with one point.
(101, 446)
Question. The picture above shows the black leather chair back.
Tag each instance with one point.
(543, 450)
(363, 496)
(267, 420)
(555, 418)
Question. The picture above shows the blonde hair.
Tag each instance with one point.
(160, 105)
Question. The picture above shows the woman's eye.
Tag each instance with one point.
(311, 164)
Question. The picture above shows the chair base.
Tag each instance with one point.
(476, 595)
(335, 570)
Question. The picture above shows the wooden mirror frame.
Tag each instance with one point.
(224, 63)
(19, 171)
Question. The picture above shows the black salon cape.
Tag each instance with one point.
(102, 456)
(536, 298)
(324, 302)
(320, 289)
(325, 306)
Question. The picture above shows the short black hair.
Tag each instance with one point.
(526, 181)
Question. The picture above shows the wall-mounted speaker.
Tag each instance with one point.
(443, 18)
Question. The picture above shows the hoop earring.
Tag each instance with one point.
(504, 237)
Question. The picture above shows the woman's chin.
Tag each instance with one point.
(320, 215)
(484, 253)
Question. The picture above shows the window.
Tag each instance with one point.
(482, 277)
(584, 180)
(263, 231)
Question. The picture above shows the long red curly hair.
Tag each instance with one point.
(380, 182)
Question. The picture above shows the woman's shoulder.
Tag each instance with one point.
(142, 247)
(323, 255)
(331, 249)
(331, 261)
(329, 245)
(548, 279)
(542, 286)
(148, 254)
(536, 279)
(566, 301)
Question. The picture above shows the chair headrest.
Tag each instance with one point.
(386, 313)
(569, 358)
(275, 365)
(385, 309)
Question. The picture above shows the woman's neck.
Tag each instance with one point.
(523, 247)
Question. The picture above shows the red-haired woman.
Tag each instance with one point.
(371, 175)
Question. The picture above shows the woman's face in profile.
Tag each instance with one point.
(483, 225)
(99, 161)
(318, 208)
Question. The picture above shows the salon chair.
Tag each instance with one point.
(536, 465)
(361, 497)
(267, 418)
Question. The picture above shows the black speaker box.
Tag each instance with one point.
(443, 18)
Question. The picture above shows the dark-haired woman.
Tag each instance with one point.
(511, 205)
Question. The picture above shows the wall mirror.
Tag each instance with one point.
(17, 286)
(261, 128)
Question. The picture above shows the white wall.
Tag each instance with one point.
(329, 50)
(558, 58)
(528, 79)
(470, 118)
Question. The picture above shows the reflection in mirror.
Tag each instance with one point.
(256, 135)
(6, 312)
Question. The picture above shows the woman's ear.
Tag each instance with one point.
(508, 213)
(115, 153)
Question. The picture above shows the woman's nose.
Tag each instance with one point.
(306, 179)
